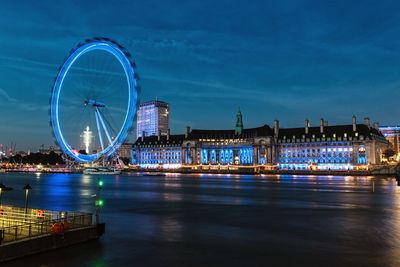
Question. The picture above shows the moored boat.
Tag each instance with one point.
(102, 170)
(154, 174)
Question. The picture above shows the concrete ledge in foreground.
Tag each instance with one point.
(47, 242)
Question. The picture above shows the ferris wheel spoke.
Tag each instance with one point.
(104, 126)
(99, 131)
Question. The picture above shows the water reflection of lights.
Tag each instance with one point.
(172, 197)
(170, 184)
(85, 192)
(85, 179)
(117, 180)
(348, 178)
(171, 229)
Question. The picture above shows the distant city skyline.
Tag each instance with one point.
(306, 59)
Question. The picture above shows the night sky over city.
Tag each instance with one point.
(286, 60)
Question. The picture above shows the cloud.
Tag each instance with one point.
(271, 58)
(5, 96)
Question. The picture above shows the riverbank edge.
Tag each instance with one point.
(240, 172)
(269, 172)
(41, 244)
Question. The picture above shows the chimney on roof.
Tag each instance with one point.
(168, 133)
(159, 135)
(187, 131)
(321, 125)
(276, 128)
(143, 134)
(354, 122)
(367, 122)
(325, 123)
(376, 125)
(307, 125)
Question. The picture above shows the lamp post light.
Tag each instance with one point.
(27, 187)
(2, 187)
(99, 200)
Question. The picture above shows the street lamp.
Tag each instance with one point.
(27, 187)
(99, 201)
(2, 187)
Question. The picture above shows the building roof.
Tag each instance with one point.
(197, 134)
(264, 130)
(156, 103)
(174, 139)
(362, 130)
(336, 132)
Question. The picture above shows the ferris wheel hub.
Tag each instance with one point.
(94, 103)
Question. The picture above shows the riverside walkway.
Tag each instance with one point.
(17, 224)
(29, 231)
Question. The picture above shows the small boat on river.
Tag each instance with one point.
(154, 174)
(102, 171)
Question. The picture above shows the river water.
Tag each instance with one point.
(222, 220)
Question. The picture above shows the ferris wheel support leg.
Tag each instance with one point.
(98, 129)
(104, 126)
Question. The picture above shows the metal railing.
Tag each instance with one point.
(15, 224)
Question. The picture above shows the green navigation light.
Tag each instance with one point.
(100, 183)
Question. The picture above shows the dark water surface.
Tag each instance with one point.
(223, 220)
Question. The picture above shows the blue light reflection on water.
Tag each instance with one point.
(169, 219)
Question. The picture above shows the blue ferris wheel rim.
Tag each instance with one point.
(124, 58)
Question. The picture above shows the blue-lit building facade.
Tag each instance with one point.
(162, 151)
(205, 149)
(223, 149)
(340, 147)
(392, 134)
(152, 118)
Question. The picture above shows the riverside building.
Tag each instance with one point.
(152, 118)
(392, 134)
(338, 147)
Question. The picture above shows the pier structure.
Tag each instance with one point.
(29, 231)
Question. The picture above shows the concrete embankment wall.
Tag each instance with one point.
(276, 172)
(25, 247)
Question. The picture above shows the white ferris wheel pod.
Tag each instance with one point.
(109, 144)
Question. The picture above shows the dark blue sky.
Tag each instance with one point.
(289, 60)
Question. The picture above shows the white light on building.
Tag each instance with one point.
(87, 137)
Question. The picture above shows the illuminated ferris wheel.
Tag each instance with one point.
(95, 88)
